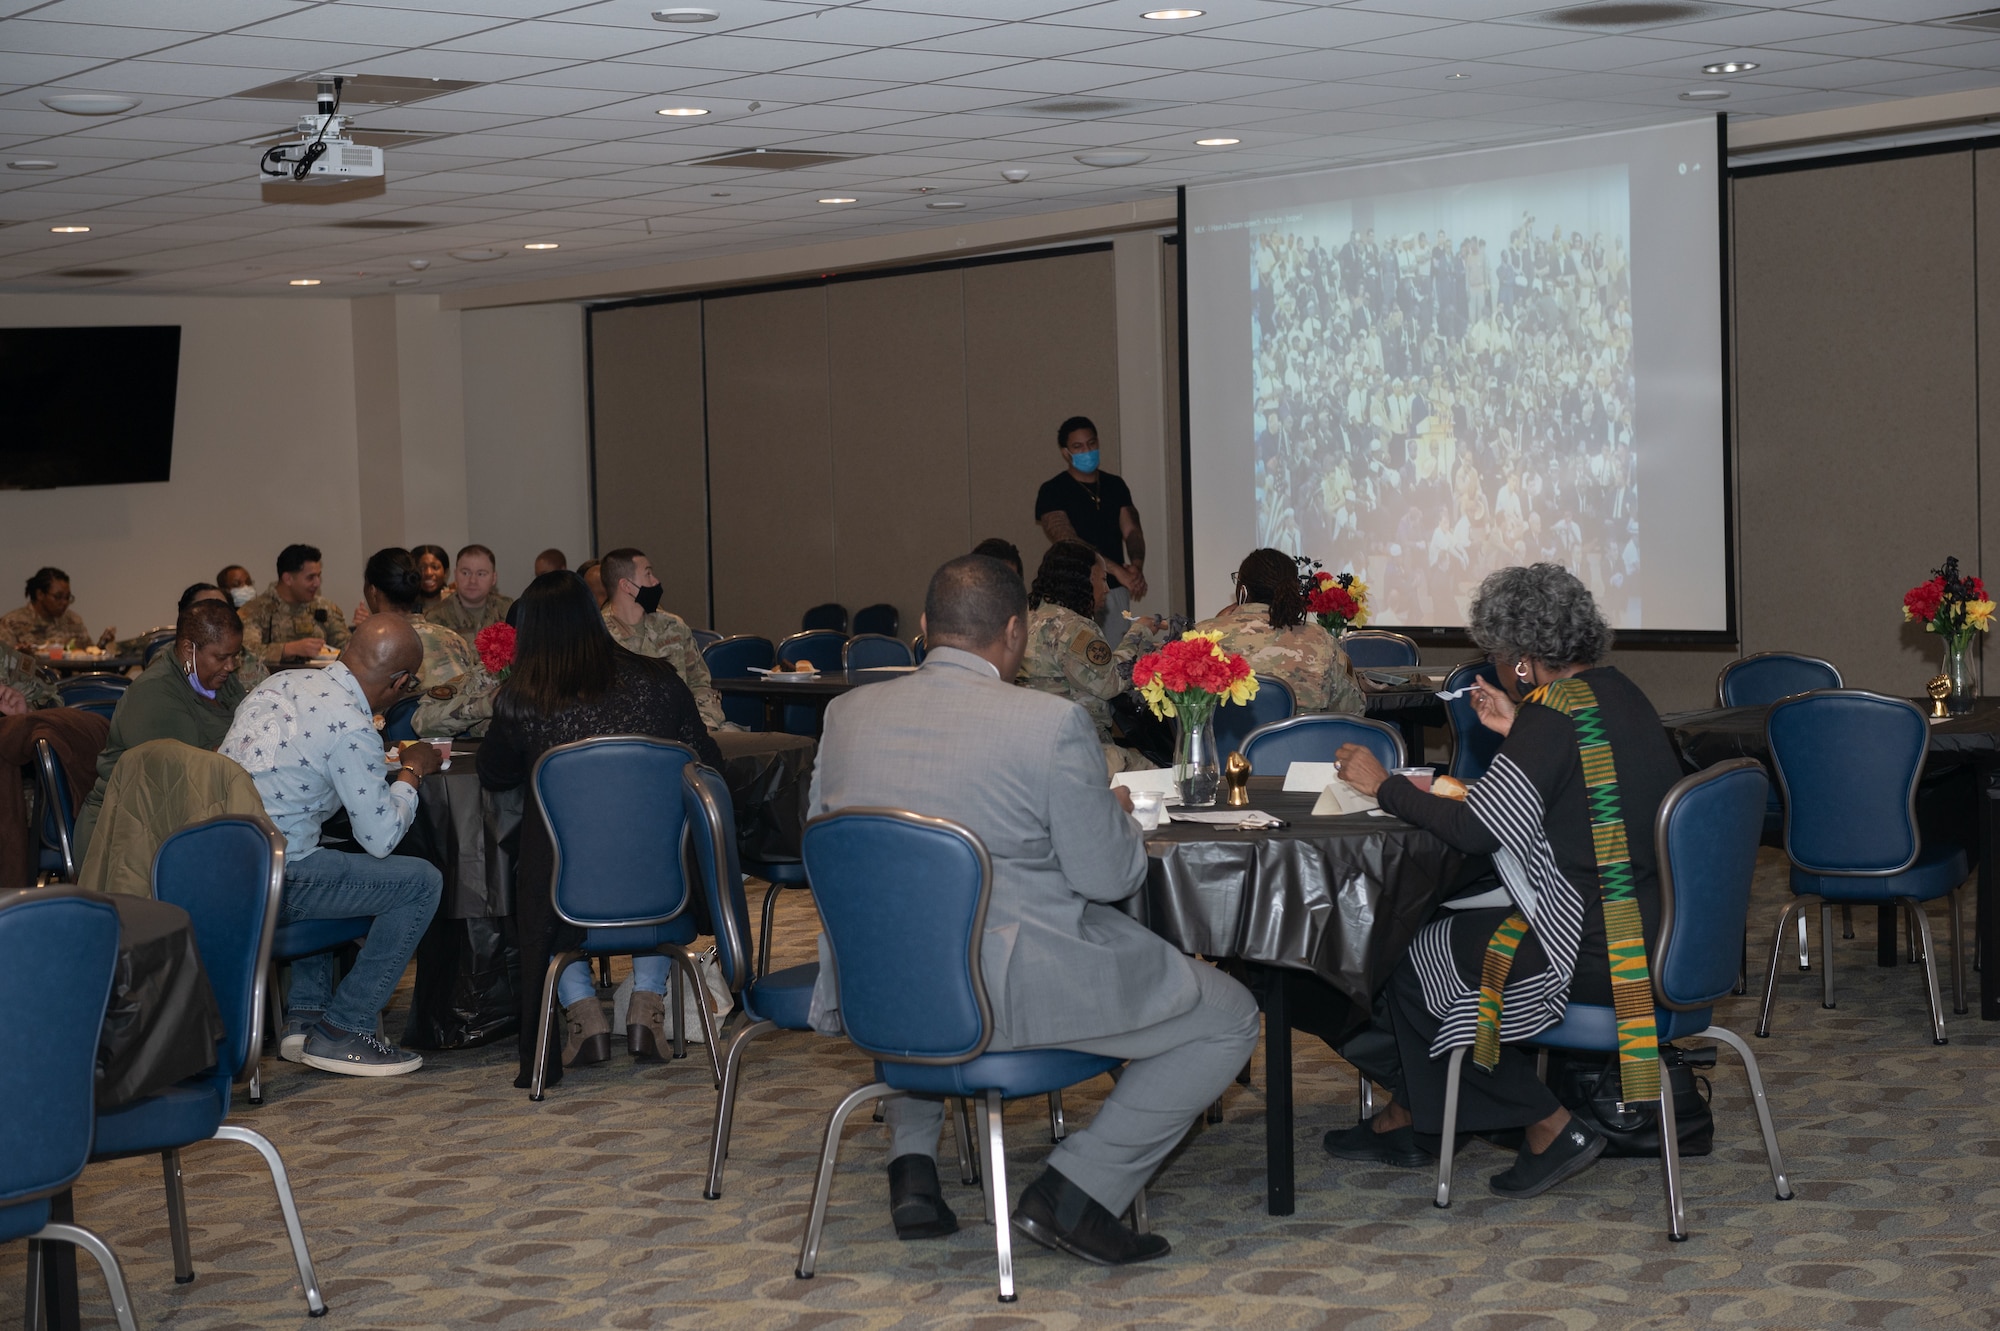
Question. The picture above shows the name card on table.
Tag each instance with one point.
(1155, 780)
(1305, 778)
(1338, 797)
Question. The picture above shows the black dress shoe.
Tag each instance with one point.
(1057, 1214)
(1397, 1147)
(1574, 1150)
(916, 1202)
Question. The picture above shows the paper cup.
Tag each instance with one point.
(1147, 806)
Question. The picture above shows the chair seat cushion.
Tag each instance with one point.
(641, 938)
(1940, 867)
(1587, 1026)
(184, 1113)
(791, 873)
(17, 1222)
(1015, 1073)
(305, 938)
(784, 997)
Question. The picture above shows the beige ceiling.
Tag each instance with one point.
(560, 141)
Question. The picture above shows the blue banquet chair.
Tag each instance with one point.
(1373, 648)
(1706, 837)
(903, 899)
(880, 618)
(1316, 738)
(871, 651)
(618, 826)
(228, 874)
(831, 615)
(1235, 722)
(56, 857)
(1849, 762)
(705, 639)
(732, 658)
(1761, 679)
(58, 952)
(1472, 744)
(825, 649)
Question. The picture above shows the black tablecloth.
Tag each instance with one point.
(1338, 896)
(161, 1025)
(769, 775)
(1711, 735)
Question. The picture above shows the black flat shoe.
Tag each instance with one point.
(1397, 1147)
(1057, 1214)
(1574, 1150)
(916, 1201)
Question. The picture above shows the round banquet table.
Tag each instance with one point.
(818, 690)
(76, 665)
(1340, 897)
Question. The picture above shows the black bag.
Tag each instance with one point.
(1587, 1084)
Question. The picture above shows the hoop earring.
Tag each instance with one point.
(1521, 671)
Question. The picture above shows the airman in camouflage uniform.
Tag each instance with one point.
(667, 636)
(270, 621)
(1305, 657)
(466, 620)
(1068, 657)
(29, 627)
(18, 675)
(458, 693)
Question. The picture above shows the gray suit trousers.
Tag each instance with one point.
(1175, 1070)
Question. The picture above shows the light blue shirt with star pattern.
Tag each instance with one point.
(308, 739)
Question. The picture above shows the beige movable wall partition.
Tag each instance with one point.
(838, 441)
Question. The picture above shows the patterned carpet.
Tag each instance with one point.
(446, 1199)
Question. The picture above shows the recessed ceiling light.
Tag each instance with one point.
(475, 256)
(718, 194)
(1170, 15)
(90, 104)
(1458, 76)
(32, 164)
(68, 230)
(685, 15)
(1216, 143)
(1112, 158)
(1730, 67)
(944, 205)
(1705, 95)
(305, 282)
(542, 245)
(836, 198)
(405, 281)
(682, 111)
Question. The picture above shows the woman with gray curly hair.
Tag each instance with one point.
(1566, 812)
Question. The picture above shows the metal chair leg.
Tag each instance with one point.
(1958, 950)
(540, 1077)
(986, 1175)
(678, 1003)
(960, 1114)
(996, 1173)
(684, 966)
(282, 1183)
(1920, 924)
(1779, 1182)
(764, 934)
(1141, 1222)
(177, 1217)
(725, 1103)
(823, 1184)
(36, 1295)
(1846, 920)
(1825, 953)
(1453, 1069)
(1364, 1098)
(1058, 1126)
(107, 1262)
(256, 1094)
(1771, 975)
(1670, 1161)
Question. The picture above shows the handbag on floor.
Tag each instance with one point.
(1587, 1084)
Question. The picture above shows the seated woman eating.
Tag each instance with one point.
(188, 693)
(1268, 627)
(1566, 811)
(1066, 655)
(570, 681)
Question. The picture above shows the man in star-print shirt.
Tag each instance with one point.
(308, 739)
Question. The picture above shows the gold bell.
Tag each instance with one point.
(1939, 688)
(1236, 771)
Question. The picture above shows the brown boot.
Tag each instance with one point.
(646, 1027)
(588, 1033)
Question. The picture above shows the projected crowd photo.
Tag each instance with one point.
(1444, 385)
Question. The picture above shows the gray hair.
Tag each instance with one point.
(1542, 611)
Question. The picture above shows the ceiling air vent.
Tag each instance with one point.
(378, 224)
(98, 272)
(360, 89)
(1080, 107)
(1985, 20)
(1626, 15)
(775, 159)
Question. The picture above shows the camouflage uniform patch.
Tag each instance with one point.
(667, 636)
(270, 621)
(464, 620)
(1305, 657)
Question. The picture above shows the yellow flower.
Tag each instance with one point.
(1243, 690)
(1212, 635)
(1979, 615)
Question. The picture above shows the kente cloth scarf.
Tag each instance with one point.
(1501, 1011)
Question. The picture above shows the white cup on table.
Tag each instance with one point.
(1147, 807)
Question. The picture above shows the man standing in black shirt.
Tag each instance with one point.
(1081, 503)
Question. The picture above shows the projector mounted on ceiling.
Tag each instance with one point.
(322, 155)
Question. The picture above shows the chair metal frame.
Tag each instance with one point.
(1315, 719)
(58, 809)
(802, 634)
(847, 648)
(1722, 675)
(1913, 910)
(1382, 635)
(1669, 1140)
(681, 962)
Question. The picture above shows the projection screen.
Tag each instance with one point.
(1423, 371)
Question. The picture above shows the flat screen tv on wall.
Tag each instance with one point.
(87, 406)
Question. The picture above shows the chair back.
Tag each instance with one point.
(160, 640)
(1316, 738)
(903, 900)
(731, 658)
(712, 829)
(1848, 763)
(822, 647)
(919, 649)
(58, 951)
(228, 874)
(99, 686)
(868, 651)
(58, 809)
(400, 721)
(832, 615)
(1472, 744)
(1379, 647)
(1234, 721)
(1706, 834)
(880, 618)
(618, 825)
(1763, 678)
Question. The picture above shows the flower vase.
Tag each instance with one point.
(1197, 767)
(1958, 669)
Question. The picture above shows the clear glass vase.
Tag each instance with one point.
(1958, 669)
(1197, 766)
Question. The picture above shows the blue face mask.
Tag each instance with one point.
(1084, 462)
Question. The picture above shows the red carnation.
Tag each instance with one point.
(495, 645)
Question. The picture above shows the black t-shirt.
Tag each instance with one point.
(1093, 509)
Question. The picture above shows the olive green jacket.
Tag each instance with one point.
(161, 704)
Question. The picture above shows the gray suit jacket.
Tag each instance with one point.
(1024, 772)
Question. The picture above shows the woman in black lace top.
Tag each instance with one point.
(570, 681)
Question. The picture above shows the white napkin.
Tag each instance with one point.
(1246, 818)
(1304, 777)
(1338, 797)
(1158, 780)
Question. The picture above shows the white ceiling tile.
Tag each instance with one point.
(1331, 67)
(626, 14)
(577, 41)
(274, 53)
(1033, 41)
(24, 68)
(1932, 85)
(827, 119)
(608, 75)
(747, 54)
(1196, 86)
(1882, 40)
(372, 24)
(1894, 11)
(1053, 76)
(193, 15)
(992, 11)
(790, 88)
(1468, 41)
(864, 27)
(476, 66)
(1984, 54)
(1323, 26)
(895, 65)
(18, 35)
(1773, 25)
(1468, 10)
(515, 99)
(934, 97)
(488, 8)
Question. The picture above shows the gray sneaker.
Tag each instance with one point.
(362, 1054)
(292, 1045)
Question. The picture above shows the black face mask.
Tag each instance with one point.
(648, 597)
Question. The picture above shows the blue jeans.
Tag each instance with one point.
(649, 973)
(400, 892)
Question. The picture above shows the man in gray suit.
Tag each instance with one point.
(1065, 969)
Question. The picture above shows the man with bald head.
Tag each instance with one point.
(308, 739)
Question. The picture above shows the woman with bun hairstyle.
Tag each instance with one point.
(1268, 626)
